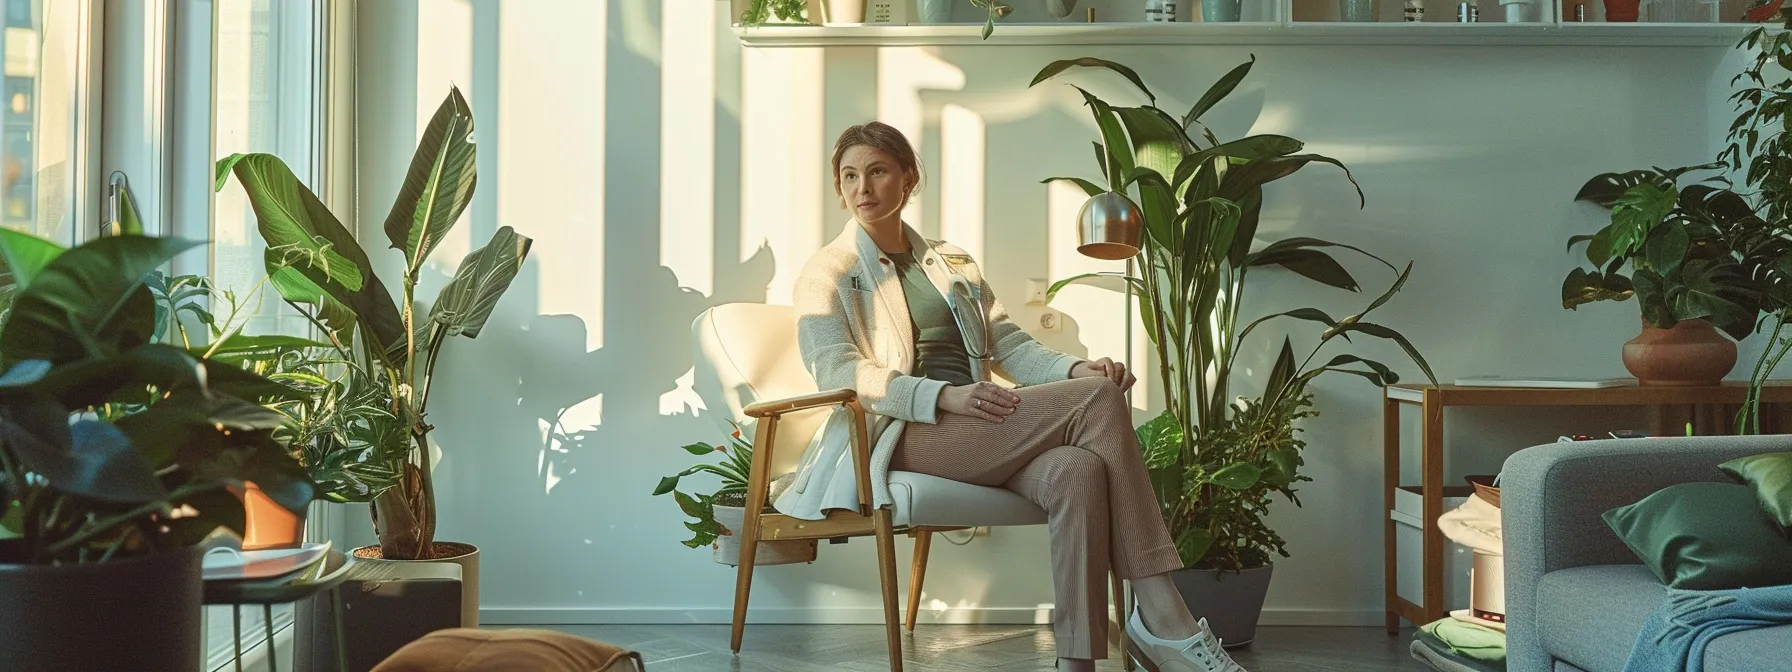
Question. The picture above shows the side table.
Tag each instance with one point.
(321, 577)
(1709, 409)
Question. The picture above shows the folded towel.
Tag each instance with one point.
(1683, 625)
(1475, 524)
(1469, 640)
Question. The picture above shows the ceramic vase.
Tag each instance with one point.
(1220, 11)
(1692, 353)
(1359, 11)
(1621, 11)
(935, 11)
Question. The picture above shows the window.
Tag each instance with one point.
(43, 140)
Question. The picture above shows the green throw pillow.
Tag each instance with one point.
(1771, 477)
(1705, 536)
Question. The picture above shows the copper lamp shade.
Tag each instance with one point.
(1109, 227)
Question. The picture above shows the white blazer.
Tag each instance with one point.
(854, 331)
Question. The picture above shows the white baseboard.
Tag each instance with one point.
(855, 615)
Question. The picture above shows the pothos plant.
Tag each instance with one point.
(735, 464)
(1216, 459)
(758, 12)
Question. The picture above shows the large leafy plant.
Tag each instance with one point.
(1215, 460)
(1676, 243)
(736, 461)
(112, 443)
(315, 264)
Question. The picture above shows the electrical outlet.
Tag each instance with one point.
(1050, 320)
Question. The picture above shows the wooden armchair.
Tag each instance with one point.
(748, 369)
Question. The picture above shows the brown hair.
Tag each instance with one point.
(881, 136)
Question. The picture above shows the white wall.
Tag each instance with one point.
(662, 168)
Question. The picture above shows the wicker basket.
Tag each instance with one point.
(1485, 489)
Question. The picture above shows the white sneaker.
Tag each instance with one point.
(1200, 653)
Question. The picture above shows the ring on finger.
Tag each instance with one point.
(979, 403)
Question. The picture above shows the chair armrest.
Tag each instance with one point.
(792, 404)
(1552, 498)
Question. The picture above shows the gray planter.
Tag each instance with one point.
(1230, 601)
(727, 547)
(137, 614)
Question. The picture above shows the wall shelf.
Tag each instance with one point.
(1269, 33)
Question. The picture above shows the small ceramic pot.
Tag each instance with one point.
(1692, 353)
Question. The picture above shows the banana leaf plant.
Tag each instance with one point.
(1214, 459)
(113, 444)
(315, 264)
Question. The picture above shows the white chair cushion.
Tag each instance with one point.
(930, 500)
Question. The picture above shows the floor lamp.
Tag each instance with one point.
(1110, 227)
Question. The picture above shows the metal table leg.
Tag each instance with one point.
(267, 621)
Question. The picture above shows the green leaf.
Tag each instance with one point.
(691, 506)
(25, 255)
(1161, 439)
(216, 508)
(1117, 151)
(307, 237)
(1281, 373)
(1109, 280)
(1380, 331)
(1236, 476)
(1284, 465)
(438, 186)
(130, 219)
(90, 300)
(1052, 69)
(1192, 545)
(1582, 238)
(1089, 188)
(1667, 247)
(1312, 264)
(238, 343)
(699, 449)
(1248, 149)
(24, 374)
(1309, 314)
(1217, 92)
(1582, 287)
(467, 301)
(292, 284)
(1388, 377)
(1399, 282)
(1301, 242)
(106, 467)
(1156, 142)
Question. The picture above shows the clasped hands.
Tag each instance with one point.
(994, 403)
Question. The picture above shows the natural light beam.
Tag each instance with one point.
(786, 189)
(444, 57)
(903, 73)
(551, 179)
(962, 160)
(687, 146)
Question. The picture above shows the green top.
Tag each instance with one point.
(939, 346)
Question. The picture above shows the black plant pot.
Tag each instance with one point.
(143, 613)
(1230, 601)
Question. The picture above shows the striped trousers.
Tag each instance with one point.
(1068, 447)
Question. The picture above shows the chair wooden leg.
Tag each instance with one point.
(743, 578)
(886, 571)
(1120, 614)
(918, 575)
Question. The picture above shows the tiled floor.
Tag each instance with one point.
(960, 648)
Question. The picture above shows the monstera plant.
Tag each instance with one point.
(316, 265)
(1216, 458)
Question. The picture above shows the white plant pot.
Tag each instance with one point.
(727, 546)
(842, 11)
(468, 559)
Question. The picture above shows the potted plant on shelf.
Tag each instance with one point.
(1687, 278)
(118, 453)
(317, 265)
(1215, 458)
(718, 515)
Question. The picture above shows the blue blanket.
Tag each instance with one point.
(1677, 632)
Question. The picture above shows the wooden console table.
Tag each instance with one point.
(1711, 410)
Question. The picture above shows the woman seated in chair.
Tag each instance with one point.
(910, 325)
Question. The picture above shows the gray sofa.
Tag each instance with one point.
(1576, 597)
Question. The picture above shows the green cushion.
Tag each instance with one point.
(1705, 536)
(1771, 477)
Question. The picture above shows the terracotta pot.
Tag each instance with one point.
(1692, 353)
(1621, 11)
(452, 552)
(266, 524)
